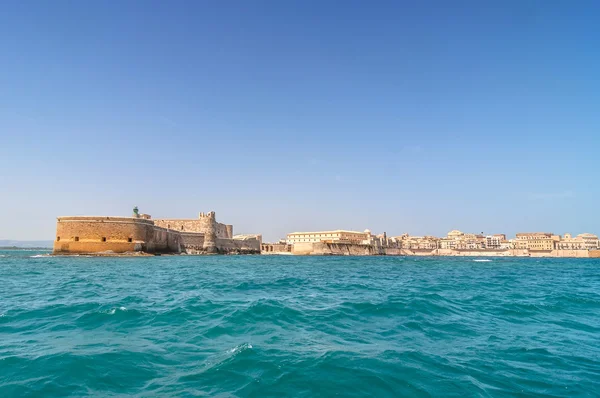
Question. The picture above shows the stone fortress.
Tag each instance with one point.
(141, 234)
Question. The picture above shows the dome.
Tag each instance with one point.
(367, 231)
(455, 232)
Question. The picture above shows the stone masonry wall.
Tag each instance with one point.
(321, 248)
(192, 243)
(194, 225)
(116, 234)
(339, 249)
(246, 245)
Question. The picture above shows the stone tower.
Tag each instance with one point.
(209, 227)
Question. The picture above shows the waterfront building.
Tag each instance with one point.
(590, 241)
(497, 241)
(457, 240)
(417, 242)
(452, 240)
(584, 241)
(336, 236)
(535, 241)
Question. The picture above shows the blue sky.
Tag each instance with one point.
(416, 117)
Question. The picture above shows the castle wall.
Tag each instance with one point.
(222, 232)
(246, 244)
(161, 240)
(180, 225)
(192, 243)
(112, 234)
(199, 225)
(98, 234)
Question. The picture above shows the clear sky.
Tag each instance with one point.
(398, 116)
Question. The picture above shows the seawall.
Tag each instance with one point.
(345, 249)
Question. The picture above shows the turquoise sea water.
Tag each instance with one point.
(260, 326)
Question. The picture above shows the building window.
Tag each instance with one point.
(129, 240)
(76, 239)
(58, 238)
(182, 227)
(104, 239)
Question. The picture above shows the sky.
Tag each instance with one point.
(282, 116)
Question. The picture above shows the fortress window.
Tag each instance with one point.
(129, 240)
(104, 239)
(58, 238)
(76, 239)
(182, 227)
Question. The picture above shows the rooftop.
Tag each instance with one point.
(326, 232)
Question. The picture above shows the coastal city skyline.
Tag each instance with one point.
(141, 234)
(271, 236)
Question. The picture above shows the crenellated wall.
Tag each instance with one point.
(199, 225)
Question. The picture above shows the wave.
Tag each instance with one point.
(112, 311)
(482, 260)
(40, 256)
(242, 347)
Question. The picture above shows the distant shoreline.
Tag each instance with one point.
(24, 248)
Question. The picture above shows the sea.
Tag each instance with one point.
(288, 326)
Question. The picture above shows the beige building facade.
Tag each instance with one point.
(537, 241)
(584, 241)
(457, 240)
(337, 236)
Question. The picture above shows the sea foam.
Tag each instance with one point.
(112, 311)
